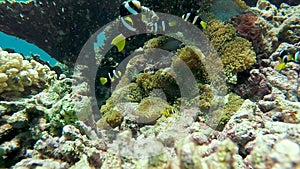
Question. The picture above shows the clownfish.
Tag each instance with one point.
(161, 26)
(195, 20)
(287, 57)
(131, 7)
(111, 77)
(169, 111)
(128, 24)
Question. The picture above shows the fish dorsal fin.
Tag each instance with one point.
(129, 20)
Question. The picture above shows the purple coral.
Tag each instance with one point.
(246, 26)
(255, 87)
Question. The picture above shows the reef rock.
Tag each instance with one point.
(279, 24)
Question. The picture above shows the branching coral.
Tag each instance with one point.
(236, 53)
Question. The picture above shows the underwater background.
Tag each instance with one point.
(150, 84)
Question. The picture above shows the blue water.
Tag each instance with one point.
(100, 40)
(21, 46)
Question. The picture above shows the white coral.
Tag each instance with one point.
(16, 73)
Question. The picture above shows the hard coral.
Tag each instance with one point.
(232, 104)
(193, 58)
(163, 80)
(255, 87)
(150, 109)
(18, 74)
(278, 25)
(236, 53)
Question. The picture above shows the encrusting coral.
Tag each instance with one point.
(16, 73)
(232, 104)
(193, 58)
(236, 52)
(162, 79)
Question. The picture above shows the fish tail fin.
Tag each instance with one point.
(103, 80)
(119, 41)
(172, 23)
(280, 66)
(203, 24)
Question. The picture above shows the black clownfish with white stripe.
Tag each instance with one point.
(130, 22)
(111, 77)
(195, 20)
(286, 57)
(132, 7)
(161, 26)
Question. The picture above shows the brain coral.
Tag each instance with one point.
(236, 52)
(16, 73)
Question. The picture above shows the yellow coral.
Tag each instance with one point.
(238, 55)
(205, 97)
(232, 104)
(236, 52)
(193, 58)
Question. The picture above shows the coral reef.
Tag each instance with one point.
(72, 149)
(148, 123)
(18, 74)
(149, 110)
(45, 112)
(163, 80)
(232, 104)
(246, 26)
(111, 111)
(278, 24)
(236, 53)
